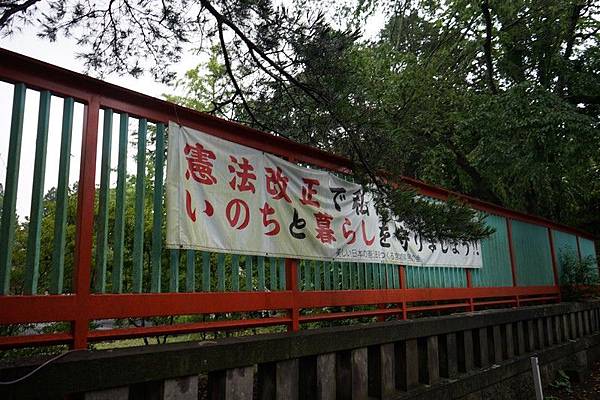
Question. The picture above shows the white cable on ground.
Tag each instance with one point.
(38, 368)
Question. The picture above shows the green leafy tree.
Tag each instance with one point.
(492, 98)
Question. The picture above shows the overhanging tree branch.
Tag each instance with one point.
(12, 9)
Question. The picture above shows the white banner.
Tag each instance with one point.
(225, 197)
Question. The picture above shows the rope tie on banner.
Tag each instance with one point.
(176, 114)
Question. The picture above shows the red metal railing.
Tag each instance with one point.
(83, 306)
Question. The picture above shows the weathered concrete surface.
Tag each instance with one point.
(185, 388)
(121, 393)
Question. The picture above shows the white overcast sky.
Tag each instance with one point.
(62, 53)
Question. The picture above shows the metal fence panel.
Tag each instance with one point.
(496, 270)
(532, 254)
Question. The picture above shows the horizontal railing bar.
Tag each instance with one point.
(24, 309)
(348, 314)
(48, 339)
(437, 307)
(180, 329)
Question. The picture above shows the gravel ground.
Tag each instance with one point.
(586, 390)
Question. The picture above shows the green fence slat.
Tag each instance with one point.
(326, 275)
(298, 275)
(272, 274)
(260, 265)
(7, 230)
(138, 233)
(306, 279)
(119, 238)
(174, 270)
(157, 209)
(190, 271)
(235, 272)
(375, 270)
(368, 275)
(281, 274)
(396, 276)
(344, 275)
(220, 272)
(206, 271)
(317, 275)
(300, 270)
(62, 191)
(102, 237)
(336, 276)
(360, 284)
(351, 275)
(248, 265)
(32, 259)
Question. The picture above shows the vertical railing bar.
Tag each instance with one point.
(60, 218)
(248, 267)
(102, 237)
(260, 265)
(317, 266)
(174, 270)
(282, 272)
(190, 274)
(32, 259)
(119, 238)
(206, 271)
(298, 274)
(220, 272)
(375, 269)
(326, 275)
(336, 276)
(272, 273)
(235, 272)
(7, 230)
(351, 269)
(553, 258)
(85, 216)
(344, 276)
(157, 209)
(140, 194)
(307, 280)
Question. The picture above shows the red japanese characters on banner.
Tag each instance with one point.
(225, 197)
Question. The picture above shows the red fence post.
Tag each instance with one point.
(402, 277)
(578, 247)
(469, 286)
(291, 284)
(85, 223)
(553, 255)
(513, 262)
(554, 262)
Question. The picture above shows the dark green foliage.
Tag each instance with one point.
(577, 276)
